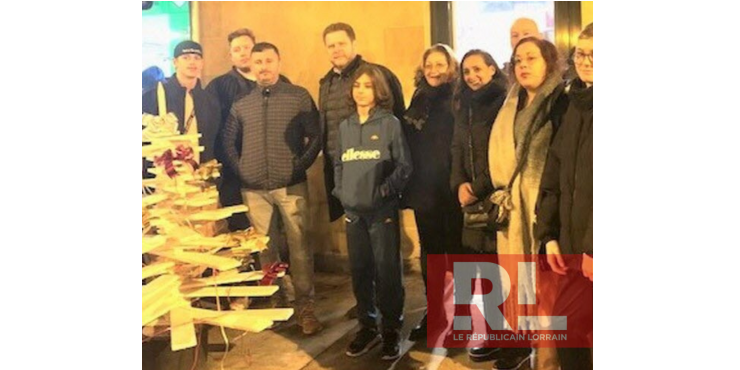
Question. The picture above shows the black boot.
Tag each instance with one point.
(482, 354)
(513, 359)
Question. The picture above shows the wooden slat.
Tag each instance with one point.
(199, 240)
(247, 320)
(182, 189)
(150, 152)
(161, 305)
(151, 183)
(176, 139)
(182, 329)
(274, 314)
(157, 287)
(229, 279)
(216, 262)
(149, 243)
(209, 194)
(254, 245)
(156, 269)
(253, 326)
(236, 291)
(179, 232)
(217, 214)
(152, 199)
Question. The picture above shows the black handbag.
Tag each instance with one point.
(479, 215)
(486, 214)
(483, 213)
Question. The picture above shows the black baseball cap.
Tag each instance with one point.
(188, 47)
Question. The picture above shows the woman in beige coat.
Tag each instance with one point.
(522, 132)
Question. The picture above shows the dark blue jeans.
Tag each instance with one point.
(374, 244)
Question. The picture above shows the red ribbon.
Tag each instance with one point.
(185, 154)
(271, 272)
(166, 160)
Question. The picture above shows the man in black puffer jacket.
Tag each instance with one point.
(335, 105)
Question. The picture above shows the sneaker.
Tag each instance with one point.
(365, 339)
(391, 347)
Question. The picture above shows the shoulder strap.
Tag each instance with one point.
(161, 100)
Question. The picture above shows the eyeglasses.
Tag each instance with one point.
(580, 57)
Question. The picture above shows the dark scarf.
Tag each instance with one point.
(482, 101)
(581, 95)
(425, 97)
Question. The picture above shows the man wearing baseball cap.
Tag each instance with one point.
(197, 111)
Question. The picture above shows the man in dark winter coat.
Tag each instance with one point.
(278, 127)
(335, 106)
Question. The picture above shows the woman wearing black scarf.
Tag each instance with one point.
(478, 98)
(480, 94)
(428, 132)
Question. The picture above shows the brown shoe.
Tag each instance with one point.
(307, 320)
